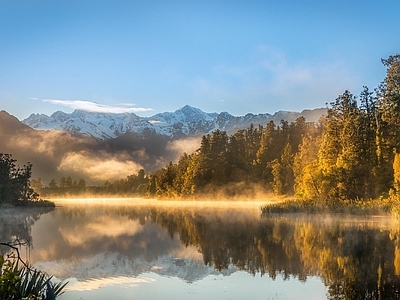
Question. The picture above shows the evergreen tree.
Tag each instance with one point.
(341, 156)
(53, 184)
(369, 144)
(396, 172)
(388, 121)
(307, 173)
(253, 139)
(68, 182)
(239, 166)
(218, 154)
(181, 175)
(282, 171)
(268, 151)
(81, 183)
(389, 101)
(62, 182)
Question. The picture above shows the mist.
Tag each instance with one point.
(55, 154)
(103, 166)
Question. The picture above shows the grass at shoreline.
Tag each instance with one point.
(355, 207)
(28, 203)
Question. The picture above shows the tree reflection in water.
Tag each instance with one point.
(16, 223)
(357, 259)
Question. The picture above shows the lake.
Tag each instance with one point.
(147, 249)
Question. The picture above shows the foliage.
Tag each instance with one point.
(15, 181)
(257, 156)
(357, 207)
(15, 184)
(25, 282)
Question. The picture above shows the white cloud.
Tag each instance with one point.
(96, 107)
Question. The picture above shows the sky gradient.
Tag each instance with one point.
(154, 56)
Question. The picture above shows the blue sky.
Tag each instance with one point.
(154, 56)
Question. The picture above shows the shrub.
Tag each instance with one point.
(25, 282)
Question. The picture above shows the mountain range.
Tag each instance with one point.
(99, 146)
(184, 122)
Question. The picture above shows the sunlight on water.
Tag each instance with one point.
(140, 202)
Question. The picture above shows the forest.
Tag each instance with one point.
(350, 154)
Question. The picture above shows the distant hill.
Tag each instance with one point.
(10, 124)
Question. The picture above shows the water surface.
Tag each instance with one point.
(146, 249)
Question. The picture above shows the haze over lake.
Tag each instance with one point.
(147, 249)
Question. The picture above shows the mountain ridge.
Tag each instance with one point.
(184, 122)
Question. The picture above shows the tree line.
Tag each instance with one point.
(352, 153)
(132, 185)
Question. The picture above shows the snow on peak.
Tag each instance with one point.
(183, 122)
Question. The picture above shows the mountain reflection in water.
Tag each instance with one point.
(356, 258)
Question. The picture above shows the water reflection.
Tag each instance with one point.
(16, 223)
(356, 258)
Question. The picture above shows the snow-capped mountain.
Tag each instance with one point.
(105, 265)
(187, 121)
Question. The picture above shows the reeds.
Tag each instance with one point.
(355, 207)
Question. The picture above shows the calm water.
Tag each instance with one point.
(138, 249)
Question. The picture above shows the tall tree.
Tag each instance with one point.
(267, 152)
(282, 171)
(341, 156)
(388, 131)
(307, 173)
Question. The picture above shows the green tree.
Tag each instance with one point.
(308, 176)
(266, 153)
(181, 174)
(389, 101)
(388, 121)
(218, 153)
(370, 144)
(239, 165)
(68, 182)
(282, 171)
(62, 182)
(396, 172)
(342, 157)
(15, 181)
(53, 184)
(81, 183)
